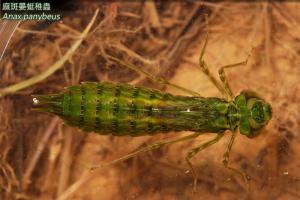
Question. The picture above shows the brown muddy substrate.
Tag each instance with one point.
(43, 159)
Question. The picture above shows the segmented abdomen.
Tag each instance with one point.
(127, 110)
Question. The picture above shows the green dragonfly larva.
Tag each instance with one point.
(121, 109)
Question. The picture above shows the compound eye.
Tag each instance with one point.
(256, 109)
(257, 112)
(268, 111)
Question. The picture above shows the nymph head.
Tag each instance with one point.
(255, 113)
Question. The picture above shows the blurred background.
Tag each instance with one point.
(41, 158)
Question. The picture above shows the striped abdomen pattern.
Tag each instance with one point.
(121, 109)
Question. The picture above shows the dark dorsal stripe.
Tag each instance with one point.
(133, 108)
(149, 111)
(115, 125)
(164, 127)
(97, 122)
(132, 126)
(150, 127)
(99, 89)
(70, 101)
(152, 95)
(118, 91)
(82, 105)
(98, 106)
(136, 92)
(116, 108)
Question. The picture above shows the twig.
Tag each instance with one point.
(123, 30)
(53, 68)
(46, 33)
(185, 37)
(39, 151)
(54, 153)
(133, 54)
(129, 14)
(110, 15)
(151, 14)
(87, 175)
(66, 161)
(7, 29)
(64, 26)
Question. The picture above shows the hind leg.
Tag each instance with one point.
(156, 79)
(149, 147)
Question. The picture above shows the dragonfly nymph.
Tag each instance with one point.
(121, 109)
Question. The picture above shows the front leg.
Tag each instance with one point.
(223, 76)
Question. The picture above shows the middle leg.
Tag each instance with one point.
(196, 150)
(223, 87)
(204, 67)
(226, 160)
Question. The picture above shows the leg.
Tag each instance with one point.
(204, 67)
(158, 80)
(224, 87)
(226, 160)
(148, 148)
(224, 79)
(196, 150)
